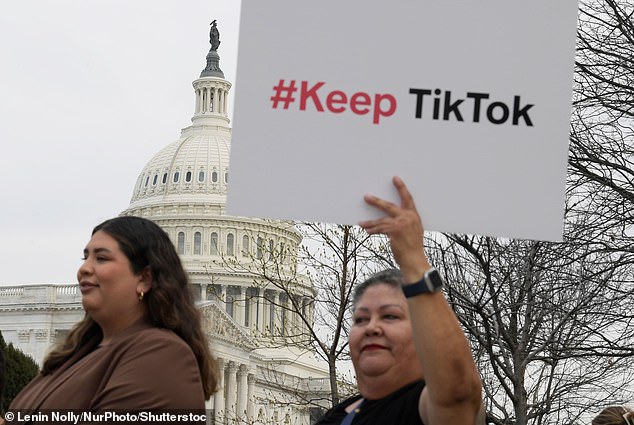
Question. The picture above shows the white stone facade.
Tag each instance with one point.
(34, 317)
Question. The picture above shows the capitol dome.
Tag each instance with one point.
(191, 169)
(195, 167)
(238, 262)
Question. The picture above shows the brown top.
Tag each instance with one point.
(143, 368)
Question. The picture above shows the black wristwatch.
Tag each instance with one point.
(430, 283)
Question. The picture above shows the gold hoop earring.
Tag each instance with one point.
(141, 296)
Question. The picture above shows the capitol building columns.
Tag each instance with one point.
(266, 305)
(219, 396)
(242, 391)
(263, 311)
(210, 99)
(254, 308)
(235, 400)
(223, 294)
(250, 397)
(239, 303)
(230, 402)
(203, 291)
(274, 324)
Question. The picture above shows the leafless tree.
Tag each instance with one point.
(550, 324)
(601, 163)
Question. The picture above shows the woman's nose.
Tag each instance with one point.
(373, 327)
(83, 270)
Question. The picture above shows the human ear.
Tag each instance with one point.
(145, 280)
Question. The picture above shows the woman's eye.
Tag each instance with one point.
(359, 320)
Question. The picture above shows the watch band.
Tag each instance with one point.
(430, 283)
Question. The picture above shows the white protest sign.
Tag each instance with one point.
(467, 101)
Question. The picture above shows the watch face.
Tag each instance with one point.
(431, 282)
(435, 279)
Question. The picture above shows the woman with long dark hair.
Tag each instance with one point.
(140, 346)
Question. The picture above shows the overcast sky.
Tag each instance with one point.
(90, 91)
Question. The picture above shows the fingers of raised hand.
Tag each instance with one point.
(399, 218)
(405, 221)
(388, 207)
(372, 226)
(407, 201)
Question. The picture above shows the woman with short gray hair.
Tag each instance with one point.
(412, 360)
